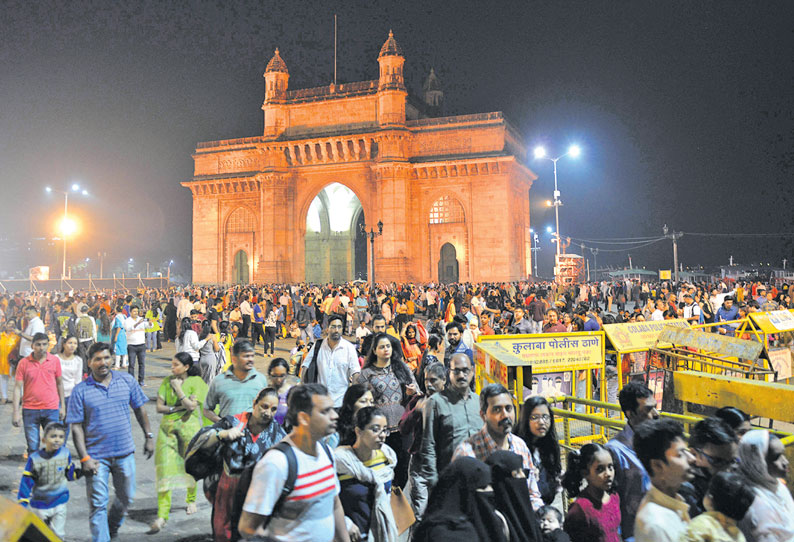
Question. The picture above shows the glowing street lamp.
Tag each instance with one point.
(540, 153)
(66, 226)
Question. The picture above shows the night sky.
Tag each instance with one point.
(684, 110)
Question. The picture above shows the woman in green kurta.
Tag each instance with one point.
(180, 400)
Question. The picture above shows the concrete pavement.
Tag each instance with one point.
(180, 527)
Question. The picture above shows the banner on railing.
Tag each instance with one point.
(636, 336)
(773, 321)
(548, 352)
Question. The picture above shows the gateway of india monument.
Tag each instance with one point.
(450, 193)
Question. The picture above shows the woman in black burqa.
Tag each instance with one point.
(461, 507)
(511, 498)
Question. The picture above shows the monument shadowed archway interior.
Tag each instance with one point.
(240, 268)
(333, 242)
(284, 196)
(448, 265)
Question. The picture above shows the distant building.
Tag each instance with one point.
(289, 205)
(633, 274)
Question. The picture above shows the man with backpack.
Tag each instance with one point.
(332, 362)
(276, 507)
(85, 330)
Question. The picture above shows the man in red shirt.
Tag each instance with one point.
(554, 325)
(42, 398)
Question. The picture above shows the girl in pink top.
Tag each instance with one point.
(595, 515)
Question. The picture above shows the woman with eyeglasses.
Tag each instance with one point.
(536, 427)
(366, 472)
(277, 379)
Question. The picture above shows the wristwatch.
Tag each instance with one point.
(149, 435)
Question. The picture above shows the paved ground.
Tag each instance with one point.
(180, 527)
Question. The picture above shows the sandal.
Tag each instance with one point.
(156, 526)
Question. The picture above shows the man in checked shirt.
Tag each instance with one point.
(499, 415)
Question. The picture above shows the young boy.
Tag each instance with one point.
(550, 520)
(43, 484)
(726, 502)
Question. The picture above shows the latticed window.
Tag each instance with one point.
(445, 210)
(241, 220)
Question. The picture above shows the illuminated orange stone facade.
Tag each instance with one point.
(452, 192)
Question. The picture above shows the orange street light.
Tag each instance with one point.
(66, 226)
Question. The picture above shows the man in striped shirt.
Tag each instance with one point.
(312, 512)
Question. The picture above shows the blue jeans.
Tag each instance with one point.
(104, 524)
(33, 419)
(151, 340)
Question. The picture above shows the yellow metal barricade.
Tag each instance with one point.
(545, 364)
(18, 524)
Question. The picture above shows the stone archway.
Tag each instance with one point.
(332, 243)
(448, 268)
(240, 268)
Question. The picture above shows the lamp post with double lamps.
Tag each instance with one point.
(540, 153)
(68, 226)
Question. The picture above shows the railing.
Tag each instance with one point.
(332, 90)
(228, 142)
(92, 283)
(458, 119)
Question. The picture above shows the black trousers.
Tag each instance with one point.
(246, 325)
(257, 332)
(137, 352)
(270, 339)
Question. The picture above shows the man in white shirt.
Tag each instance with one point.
(136, 327)
(663, 514)
(362, 331)
(658, 314)
(248, 312)
(184, 307)
(35, 325)
(337, 361)
(691, 309)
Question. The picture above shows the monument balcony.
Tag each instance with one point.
(330, 150)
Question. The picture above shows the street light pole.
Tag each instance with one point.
(65, 215)
(372, 234)
(534, 249)
(557, 204)
(65, 221)
(540, 152)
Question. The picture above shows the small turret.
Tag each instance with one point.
(391, 84)
(391, 61)
(432, 93)
(276, 78)
(276, 81)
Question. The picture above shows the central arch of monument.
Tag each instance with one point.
(335, 157)
(333, 246)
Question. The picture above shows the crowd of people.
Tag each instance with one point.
(370, 428)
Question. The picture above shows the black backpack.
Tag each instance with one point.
(289, 485)
(311, 374)
(292, 472)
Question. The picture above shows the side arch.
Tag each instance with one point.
(445, 218)
(240, 226)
